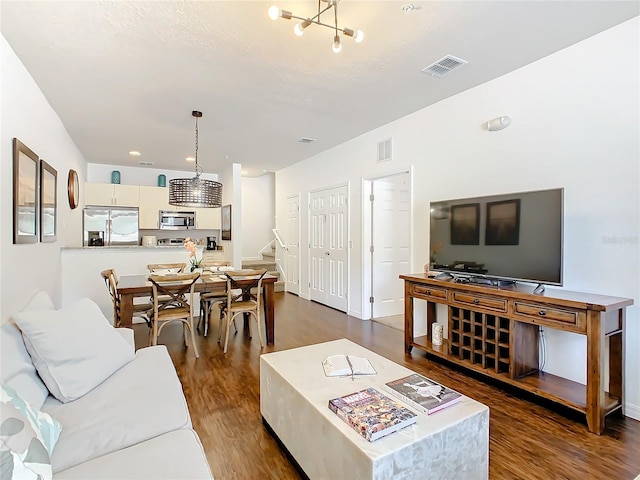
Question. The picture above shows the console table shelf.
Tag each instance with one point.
(495, 331)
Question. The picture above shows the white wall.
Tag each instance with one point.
(27, 115)
(575, 125)
(258, 214)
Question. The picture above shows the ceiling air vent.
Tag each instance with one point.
(306, 140)
(384, 150)
(444, 66)
(145, 164)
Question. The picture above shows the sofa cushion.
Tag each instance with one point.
(142, 400)
(17, 370)
(28, 437)
(74, 349)
(177, 454)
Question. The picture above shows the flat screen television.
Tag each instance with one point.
(509, 237)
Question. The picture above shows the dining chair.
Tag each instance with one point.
(210, 298)
(241, 299)
(139, 309)
(166, 267)
(181, 289)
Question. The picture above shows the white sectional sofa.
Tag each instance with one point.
(135, 424)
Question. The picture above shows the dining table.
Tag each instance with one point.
(132, 286)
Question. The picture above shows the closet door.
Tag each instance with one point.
(293, 244)
(328, 237)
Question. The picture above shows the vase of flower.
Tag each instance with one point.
(196, 263)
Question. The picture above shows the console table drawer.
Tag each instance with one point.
(489, 303)
(542, 314)
(425, 291)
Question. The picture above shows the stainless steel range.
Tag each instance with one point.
(170, 241)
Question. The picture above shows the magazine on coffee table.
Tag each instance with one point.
(371, 413)
(347, 366)
(422, 393)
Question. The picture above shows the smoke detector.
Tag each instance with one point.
(306, 140)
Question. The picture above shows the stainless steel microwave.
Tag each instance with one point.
(170, 220)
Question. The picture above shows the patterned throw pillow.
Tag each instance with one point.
(27, 438)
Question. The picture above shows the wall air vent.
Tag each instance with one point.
(444, 66)
(306, 140)
(145, 164)
(384, 150)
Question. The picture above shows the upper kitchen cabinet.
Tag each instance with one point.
(107, 194)
(152, 200)
(208, 218)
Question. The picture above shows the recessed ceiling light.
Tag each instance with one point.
(190, 159)
(134, 153)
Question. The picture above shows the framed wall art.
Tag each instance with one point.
(25, 193)
(48, 202)
(226, 222)
(503, 223)
(465, 224)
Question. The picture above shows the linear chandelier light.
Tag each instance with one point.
(298, 29)
(195, 192)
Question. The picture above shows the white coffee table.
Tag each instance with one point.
(294, 393)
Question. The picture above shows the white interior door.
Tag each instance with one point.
(293, 245)
(328, 224)
(391, 241)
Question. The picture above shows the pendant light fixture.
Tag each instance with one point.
(195, 192)
(357, 35)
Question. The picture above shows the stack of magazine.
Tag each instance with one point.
(422, 393)
(371, 413)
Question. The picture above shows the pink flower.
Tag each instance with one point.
(191, 248)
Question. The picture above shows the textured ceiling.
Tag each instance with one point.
(125, 75)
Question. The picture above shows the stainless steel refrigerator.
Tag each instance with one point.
(119, 226)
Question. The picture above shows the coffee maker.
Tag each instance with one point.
(211, 243)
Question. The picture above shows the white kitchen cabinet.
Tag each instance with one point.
(207, 218)
(110, 194)
(152, 200)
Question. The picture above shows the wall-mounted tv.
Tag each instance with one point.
(516, 236)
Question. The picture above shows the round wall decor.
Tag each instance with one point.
(73, 189)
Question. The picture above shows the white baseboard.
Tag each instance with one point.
(632, 411)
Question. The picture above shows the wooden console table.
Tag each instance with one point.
(495, 331)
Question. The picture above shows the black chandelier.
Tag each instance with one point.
(195, 192)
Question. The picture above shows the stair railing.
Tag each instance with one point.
(280, 242)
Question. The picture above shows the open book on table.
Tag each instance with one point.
(347, 365)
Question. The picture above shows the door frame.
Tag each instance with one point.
(367, 223)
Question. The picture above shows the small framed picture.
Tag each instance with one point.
(48, 202)
(503, 223)
(226, 222)
(25, 193)
(465, 224)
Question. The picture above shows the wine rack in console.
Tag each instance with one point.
(495, 331)
(480, 339)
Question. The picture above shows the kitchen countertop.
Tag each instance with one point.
(127, 247)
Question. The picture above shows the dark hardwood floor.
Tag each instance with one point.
(529, 438)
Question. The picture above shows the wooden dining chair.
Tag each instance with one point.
(166, 267)
(180, 288)
(241, 299)
(212, 297)
(141, 310)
